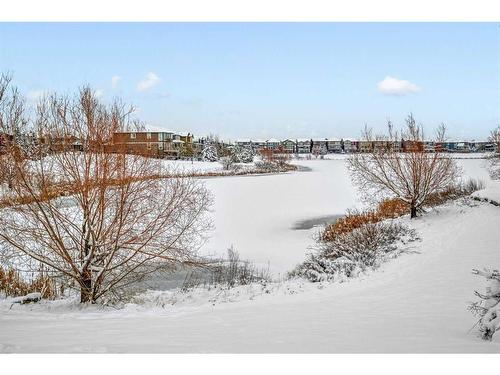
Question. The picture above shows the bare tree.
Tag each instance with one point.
(495, 160)
(441, 133)
(411, 176)
(227, 162)
(488, 308)
(12, 126)
(102, 219)
(495, 138)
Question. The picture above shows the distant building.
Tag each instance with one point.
(334, 145)
(365, 146)
(154, 144)
(319, 146)
(272, 144)
(245, 143)
(304, 146)
(429, 146)
(350, 145)
(289, 146)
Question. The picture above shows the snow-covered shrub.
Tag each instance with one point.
(495, 158)
(274, 162)
(227, 162)
(227, 272)
(266, 166)
(459, 190)
(488, 308)
(243, 155)
(494, 167)
(209, 153)
(348, 253)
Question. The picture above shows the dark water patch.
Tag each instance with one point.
(303, 168)
(315, 222)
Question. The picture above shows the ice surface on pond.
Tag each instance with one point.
(255, 214)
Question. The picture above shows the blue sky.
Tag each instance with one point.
(265, 80)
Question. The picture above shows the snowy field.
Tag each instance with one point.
(415, 303)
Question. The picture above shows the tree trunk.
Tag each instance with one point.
(86, 294)
(413, 212)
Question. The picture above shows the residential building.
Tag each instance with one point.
(289, 146)
(272, 144)
(304, 146)
(319, 146)
(155, 144)
(412, 146)
(244, 143)
(350, 145)
(334, 145)
(365, 146)
(429, 146)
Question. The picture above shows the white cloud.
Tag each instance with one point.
(115, 80)
(147, 83)
(98, 93)
(395, 86)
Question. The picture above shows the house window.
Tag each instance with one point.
(132, 135)
(160, 136)
(148, 135)
(149, 146)
(160, 145)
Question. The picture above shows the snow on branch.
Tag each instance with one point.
(488, 309)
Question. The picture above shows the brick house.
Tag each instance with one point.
(154, 144)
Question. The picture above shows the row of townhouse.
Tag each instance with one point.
(348, 145)
(300, 146)
(168, 144)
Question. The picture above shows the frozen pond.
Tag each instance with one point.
(256, 214)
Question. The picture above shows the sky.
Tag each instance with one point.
(270, 80)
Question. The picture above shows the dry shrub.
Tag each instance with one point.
(13, 285)
(387, 209)
(392, 208)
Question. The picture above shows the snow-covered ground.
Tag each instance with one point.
(191, 166)
(415, 303)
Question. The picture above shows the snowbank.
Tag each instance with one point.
(489, 194)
